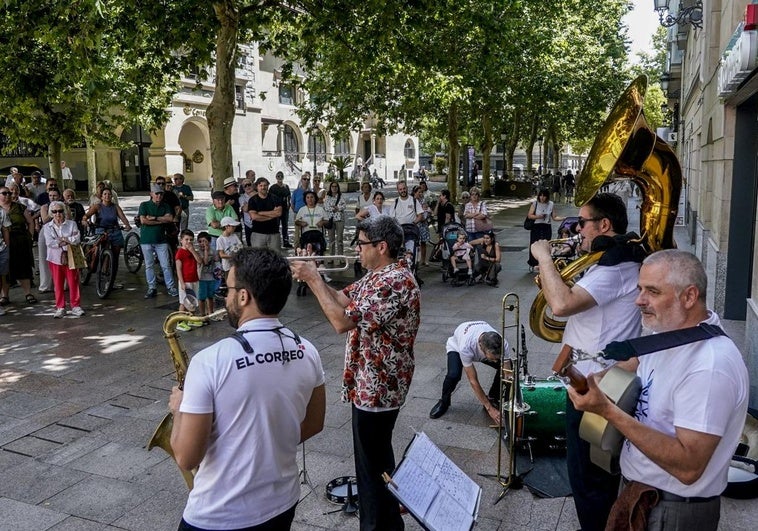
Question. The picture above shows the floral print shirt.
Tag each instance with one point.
(385, 305)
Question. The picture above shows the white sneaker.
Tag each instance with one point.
(77, 311)
(59, 312)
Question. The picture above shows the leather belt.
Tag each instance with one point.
(671, 497)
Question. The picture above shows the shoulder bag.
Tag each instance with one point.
(529, 222)
(483, 225)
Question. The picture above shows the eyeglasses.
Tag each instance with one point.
(360, 243)
(582, 221)
(57, 211)
(5, 193)
(234, 287)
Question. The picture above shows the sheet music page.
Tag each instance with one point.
(414, 488)
(446, 515)
(450, 478)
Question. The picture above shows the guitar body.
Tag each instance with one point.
(623, 388)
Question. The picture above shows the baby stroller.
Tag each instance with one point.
(565, 253)
(412, 240)
(459, 274)
(314, 242)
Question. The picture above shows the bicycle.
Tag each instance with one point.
(99, 260)
(133, 257)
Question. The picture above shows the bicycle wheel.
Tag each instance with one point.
(133, 253)
(105, 273)
(85, 273)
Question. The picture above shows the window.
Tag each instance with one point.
(342, 146)
(320, 145)
(239, 96)
(290, 142)
(286, 95)
(410, 150)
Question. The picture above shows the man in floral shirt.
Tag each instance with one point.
(381, 314)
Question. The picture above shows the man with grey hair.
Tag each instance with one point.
(472, 341)
(381, 315)
(688, 421)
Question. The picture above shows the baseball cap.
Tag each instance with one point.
(228, 220)
(155, 188)
(229, 181)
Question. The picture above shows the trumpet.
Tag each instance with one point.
(576, 238)
(323, 269)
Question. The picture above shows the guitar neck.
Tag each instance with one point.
(564, 368)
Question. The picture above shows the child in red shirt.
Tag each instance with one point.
(186, 272)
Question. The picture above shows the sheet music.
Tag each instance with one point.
(452, 479)
(434, 489)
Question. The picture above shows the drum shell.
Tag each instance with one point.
(543, 424)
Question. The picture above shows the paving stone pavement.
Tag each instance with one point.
(79, 398)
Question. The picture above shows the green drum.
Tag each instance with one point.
(543, 421)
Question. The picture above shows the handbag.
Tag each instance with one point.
(76, 258)
(529, 222)
(483, 225)
(329, 222)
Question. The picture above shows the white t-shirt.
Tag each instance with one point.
(311, 216)
(615, 317)
(406, 210)
(373, 212)
(544, 209)
(230, 245)
(249, 473)
(5, 223)
(465, 341)
(702, 387)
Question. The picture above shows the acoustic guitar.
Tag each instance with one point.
(622, 387)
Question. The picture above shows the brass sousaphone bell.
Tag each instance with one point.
(625, 148)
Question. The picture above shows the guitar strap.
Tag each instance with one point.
(632, 348)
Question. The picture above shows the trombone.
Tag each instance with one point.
(323, 269)
(512, 407)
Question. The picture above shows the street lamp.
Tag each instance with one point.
(684, 15)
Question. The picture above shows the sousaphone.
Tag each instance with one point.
(625, 149)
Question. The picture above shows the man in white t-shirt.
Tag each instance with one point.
(689, 418)
(600, 309)
(406, 209)
(248, 401)
(472, 341)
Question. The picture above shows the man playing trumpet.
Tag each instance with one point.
(600, 309)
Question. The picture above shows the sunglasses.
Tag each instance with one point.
(57, 211)
(5, 193)
(581, 221)
(247, 185)
(160, 183)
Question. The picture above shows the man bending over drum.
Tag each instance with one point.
(245, 409)
(472, 341)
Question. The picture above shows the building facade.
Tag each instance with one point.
(267, 137)
(713, 89)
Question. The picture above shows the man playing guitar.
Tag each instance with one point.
(600, 309)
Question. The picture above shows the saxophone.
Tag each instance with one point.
(162, 435)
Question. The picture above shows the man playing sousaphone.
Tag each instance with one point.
(600, 309)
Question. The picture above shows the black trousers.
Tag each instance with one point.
(281, 522)
(285, 225)
(372, 445)
(455, 370)
(593, 488)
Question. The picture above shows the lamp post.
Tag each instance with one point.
(539, 170)
(684, 15)
(504, 137)
(313, 136)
